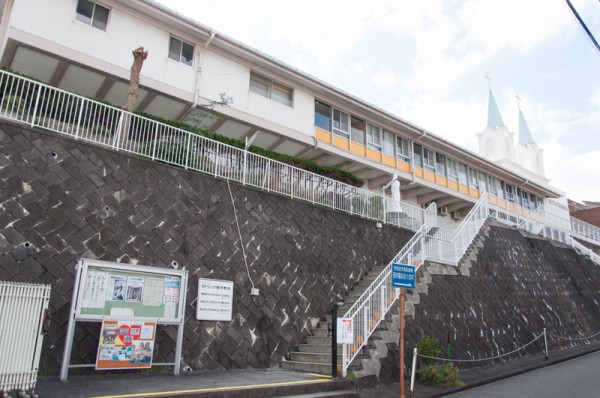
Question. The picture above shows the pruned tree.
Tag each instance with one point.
(139, 56)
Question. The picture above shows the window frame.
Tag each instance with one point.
(452, 169)
(429, 159)
(329, 117)
(181, 58)
(402, 150)
(386, 149)
(440, 161)
(374, 137)
(91, 20)
(271, 88)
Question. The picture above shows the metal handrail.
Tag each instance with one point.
(41, 105)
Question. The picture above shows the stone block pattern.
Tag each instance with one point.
(504, 293)
(62, 200)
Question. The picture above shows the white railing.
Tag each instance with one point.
(584, 229)
(22, 313)
(429, 242)
(586, 251)
(40, 105)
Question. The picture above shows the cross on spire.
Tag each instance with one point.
(489, 79)
(518, 100)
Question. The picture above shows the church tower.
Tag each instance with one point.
(496, 141)
(528, 154)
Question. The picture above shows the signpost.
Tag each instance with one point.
(403, 277)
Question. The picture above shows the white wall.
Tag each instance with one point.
(54, 21)
(220, 74)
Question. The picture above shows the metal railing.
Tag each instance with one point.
(584, 229)
(586, 251)
(40, 105)
(429, 242)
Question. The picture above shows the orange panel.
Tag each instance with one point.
(389, 161)
(502, 203)
(341, 142)
(374, 155)
(323, 135)
(474, 193)
(493, 200)
(441, 180)
(453, 185)
(358, 149)
(419, 172)
(463, 189)
(511, 206)
(429, 176)
(401, 165)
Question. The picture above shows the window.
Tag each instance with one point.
(462, 174)
(340, 123)
(440, 165)
(402, 151)
(181, 51)
(322, 116)
(451, 166)
(428, 159)
(358, 130)
(483, 182)
(92, 14)
(373, 137)
(270, 89)
(388, 143)
(473, 178)
(510, 193)
(492, 185)
(418, 155)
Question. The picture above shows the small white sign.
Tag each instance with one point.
(215, 300)
(345, 331)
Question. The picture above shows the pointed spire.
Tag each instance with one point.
(525, 137)
(494, 117)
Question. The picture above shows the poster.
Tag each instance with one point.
(126, 345)
(215, 300)
(345, 331)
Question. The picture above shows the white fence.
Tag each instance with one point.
(44, 106)
(22, 313)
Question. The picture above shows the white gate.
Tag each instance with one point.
(23, 308)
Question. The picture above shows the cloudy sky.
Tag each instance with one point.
(426, 62)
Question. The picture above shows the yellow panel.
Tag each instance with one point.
(474, 193)
(463, 189)
(493, 200)
(429, 176)
(374, 155)
(419, 172)
(511, 206)
(401, 165)
(323, 135)
(453, 185)
(502, 203)
(441, 180)
(341, 142)
(358, 149)
(389, 161)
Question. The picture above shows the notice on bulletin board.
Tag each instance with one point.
(126, 345)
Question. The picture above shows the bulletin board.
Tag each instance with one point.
(133, 292)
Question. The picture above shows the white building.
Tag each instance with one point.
(87, 49)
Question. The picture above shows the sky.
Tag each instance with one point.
(426, 62)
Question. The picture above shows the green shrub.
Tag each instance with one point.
(442, 375)
(430, 347)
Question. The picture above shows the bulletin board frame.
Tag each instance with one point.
(146, 293)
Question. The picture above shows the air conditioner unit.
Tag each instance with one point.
(456, 215)
(443, 211)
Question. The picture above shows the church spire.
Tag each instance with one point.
(494, 117)
(525, 137)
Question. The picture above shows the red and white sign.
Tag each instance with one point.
(345, 331)
(126, 345)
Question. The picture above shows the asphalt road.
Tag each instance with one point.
(579, 377)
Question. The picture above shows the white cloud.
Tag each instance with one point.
(384, 79)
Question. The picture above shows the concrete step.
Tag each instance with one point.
(318, 357)
(321, 331)
(318, 340)
(310, 367)
(324, 348)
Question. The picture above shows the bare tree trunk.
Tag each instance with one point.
(139, 56)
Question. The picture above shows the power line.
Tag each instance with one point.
(583, 25)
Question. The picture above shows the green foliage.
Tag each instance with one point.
(430, 347)
(442, 375)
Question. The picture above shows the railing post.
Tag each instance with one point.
(79, 118)
(546, 343)
(37, 103)
(334, 341)
(413, 372)
(187, 152)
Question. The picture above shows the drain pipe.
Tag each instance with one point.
(213, 34)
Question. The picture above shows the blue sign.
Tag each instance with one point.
(403, 276)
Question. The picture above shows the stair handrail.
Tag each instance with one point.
(585, 250)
